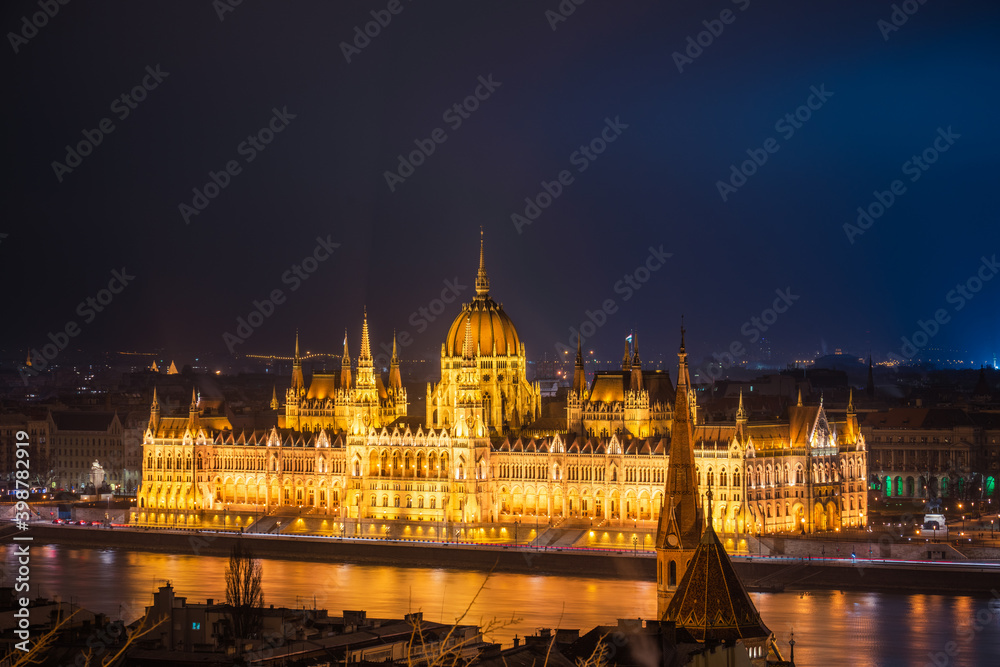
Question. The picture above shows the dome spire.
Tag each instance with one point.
(482, 281)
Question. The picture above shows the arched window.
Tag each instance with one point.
(433, 503)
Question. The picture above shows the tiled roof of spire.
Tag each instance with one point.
(711, 602)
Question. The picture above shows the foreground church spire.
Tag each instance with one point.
(681, 521)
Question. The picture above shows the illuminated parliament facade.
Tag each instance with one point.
(345, 447)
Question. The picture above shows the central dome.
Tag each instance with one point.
(490, 325)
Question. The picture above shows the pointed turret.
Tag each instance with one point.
(154, 412)
(366, 365)
(274, 398)
(850, 402)
(482, 280)
(627, 358)
(798, 403)
(741, 412)
(298, 381)
(366, 349)
(154, 368)
(636, 381)
(579, 373)
(681, 519)
(395, 381)
(345, 367)
(194, 411)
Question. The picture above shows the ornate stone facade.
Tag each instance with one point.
(345, 447)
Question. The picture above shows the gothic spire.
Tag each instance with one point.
(627, 358)
(482, 280)
(850, 401)
(798, 403)
(156, 402)
(395, 380)
(682, 504)
(741, 412)
(274, 398)
(345, 367)
(579, 374)
(366, 350)
(298, 381)
(636, 362)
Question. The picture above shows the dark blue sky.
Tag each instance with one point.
(655, 185)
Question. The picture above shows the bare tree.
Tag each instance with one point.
(244, 594)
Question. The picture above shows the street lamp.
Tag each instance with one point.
(635, 545)
(517, 521)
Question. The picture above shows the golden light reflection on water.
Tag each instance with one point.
(831, 628)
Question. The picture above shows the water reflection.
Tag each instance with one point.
(831, 628)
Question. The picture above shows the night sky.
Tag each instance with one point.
(678, 115)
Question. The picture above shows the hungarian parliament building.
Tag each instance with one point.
(345, 447)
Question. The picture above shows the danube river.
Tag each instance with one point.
(831, 628)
